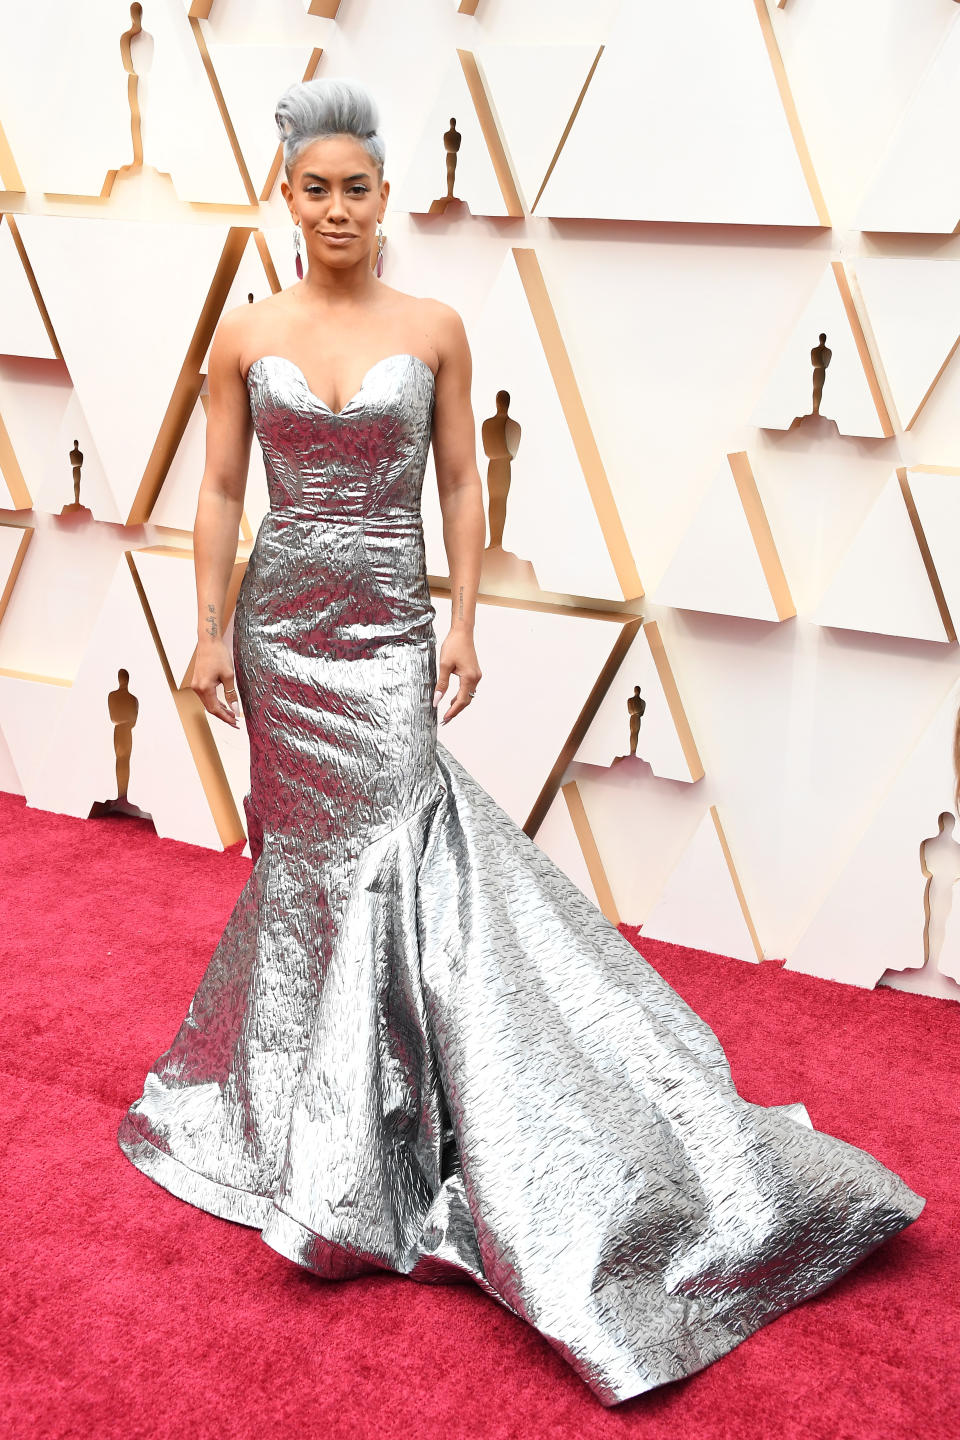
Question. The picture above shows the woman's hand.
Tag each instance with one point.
(213, 667)
(457, 657)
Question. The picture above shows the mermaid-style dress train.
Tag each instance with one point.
(418, 1046)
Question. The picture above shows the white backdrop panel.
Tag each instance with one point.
(683, 120)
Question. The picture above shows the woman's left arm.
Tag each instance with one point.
(461, 501)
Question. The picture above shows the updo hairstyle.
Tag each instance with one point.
(316, 109)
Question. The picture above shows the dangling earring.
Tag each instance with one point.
(379, 251)
(296, 250)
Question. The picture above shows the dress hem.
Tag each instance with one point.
(244, 1207)
(703, 1342)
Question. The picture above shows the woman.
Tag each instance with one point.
(418, 1047)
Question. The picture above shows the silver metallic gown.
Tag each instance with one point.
(418, 1046)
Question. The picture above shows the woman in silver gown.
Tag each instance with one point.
(418, 1046)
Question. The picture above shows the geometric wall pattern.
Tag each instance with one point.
(888, 862)
(727, 561)
(537, 156)
(700, 89)
(887, 582)
(825, 367)
(913, 189)
(652, 726)
(913, 307)
(536, 118)
(702, 904)
(537, 454)
(476, 174)
(65, 49)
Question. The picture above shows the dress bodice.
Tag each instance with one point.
(339, 563)
(365, 462)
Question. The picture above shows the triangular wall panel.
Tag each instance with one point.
(697, 94)
(166, 573)
(851, 394)
(727, 562)
(914, 189)
(78, 766)
(664, 740)
(560, 514)
(872, 917)
(72, 445)
(535, 90)
(32, 706)
(251, 77)
(936, 497)
(91, 273)
(14, 540)
(702, 904)
(883, 584)
(60, 48)
(483, 180)
(914, 310)
(541, 652)
(23, 327)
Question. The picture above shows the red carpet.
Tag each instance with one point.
(128, 1313)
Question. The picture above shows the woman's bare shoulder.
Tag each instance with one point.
(243, 330)
(440, 313)
(241, 321)
(445, 326)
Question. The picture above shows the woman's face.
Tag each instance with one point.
(334, 192)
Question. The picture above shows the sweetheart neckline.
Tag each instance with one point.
(398, 355)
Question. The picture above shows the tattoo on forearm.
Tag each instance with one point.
(212, 627)
(460, 606)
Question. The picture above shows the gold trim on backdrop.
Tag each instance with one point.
(196, 728)
(924, 547)
(580, 726)
(590, 850)
(491, 134)
(762, 535)
(932, 386)
(190, 379)
(567, 128)
(12, 473)
(791, 112)
(675, 704)
(575, 413)
(10, 178)
(11, 579)
(32, 282)
(209, 67)
(863, 350)
(741, 897)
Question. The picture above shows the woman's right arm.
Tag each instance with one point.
(219, 508)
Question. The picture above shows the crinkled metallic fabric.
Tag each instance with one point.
(418, 1046)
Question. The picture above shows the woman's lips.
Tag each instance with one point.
(337, 239)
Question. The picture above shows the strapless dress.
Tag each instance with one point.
(418, 1046)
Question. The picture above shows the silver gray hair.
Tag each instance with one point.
(316, 109)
